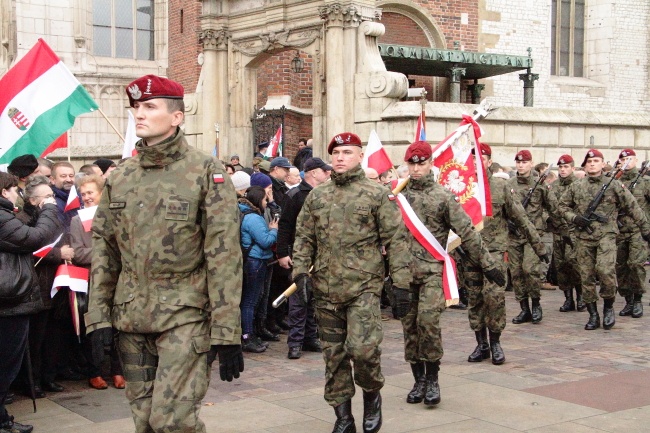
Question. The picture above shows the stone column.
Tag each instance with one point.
(215, 86)
(529, 87)
(455, 74)
(476, 90)
(334, 68)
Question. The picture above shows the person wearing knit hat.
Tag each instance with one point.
(106, 166)
(357, 216)
(631, 249)
(241, 181)
(260, 179)
(596, 235)
(22, 167)
(523, 262)
(564, 252)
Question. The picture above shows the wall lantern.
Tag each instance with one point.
(297, 64)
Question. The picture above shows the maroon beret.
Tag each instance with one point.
(485, 149)
(565, 159)
(593, 153)
(523, 155)
(418, 151)
(153, 86)
(626, 152)
(344, 139)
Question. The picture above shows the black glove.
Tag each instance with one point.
(646, 237)
(544, 258)
(231, 360)
(495, 276)
(581, 221)
(305, 287)
(568, 241)
(402, 302)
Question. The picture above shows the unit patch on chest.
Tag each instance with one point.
(177, 210)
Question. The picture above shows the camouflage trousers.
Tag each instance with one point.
(631, 254)
(597, 258)
(524, 270)
(564, 257)
(422, 334)
(350, 335)
(487, 300)
(167, 377)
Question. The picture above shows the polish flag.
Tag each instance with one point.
(275, 145)
(47, 248)
(74, 277)
(421, 129)
(73, 200)
(375, 155)
(86, 216)
(130, 138)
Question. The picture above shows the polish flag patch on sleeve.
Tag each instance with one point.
(218, 178)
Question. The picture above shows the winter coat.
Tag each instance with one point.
(255, 230)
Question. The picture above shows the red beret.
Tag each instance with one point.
(523, 155)
(593, 153)
(418, 151)
(626, 152)
(565, 159)
(344, 139)
(485, 149)
(153, 86)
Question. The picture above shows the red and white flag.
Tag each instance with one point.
(74, 277)
(461, 171)
(130, 138)
(86, 216)
(375, 155)
(59, 143)
(275, 146)
(42, 252)
(73, 200)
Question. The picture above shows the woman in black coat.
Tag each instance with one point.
(19, 291)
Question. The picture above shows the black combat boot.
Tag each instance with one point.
(432, 396)
(482, 350)
(250, 343)
(594, 318)
(608, 313)
(537, 311)
(344, 419)
(629, 304)
(498, 357)
(569, 303)
(462, 300)
(524, 315)
(371, 411)
(419, 388)
(580, 304)
(637, 310)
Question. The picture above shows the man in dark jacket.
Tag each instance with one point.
(302, 332)
(63, 180)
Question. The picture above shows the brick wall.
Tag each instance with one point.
(184, 46)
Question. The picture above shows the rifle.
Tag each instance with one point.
(512, 228)
(642, 172)
(590, 214)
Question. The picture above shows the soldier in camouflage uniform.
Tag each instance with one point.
(340, 231)
(418, 275)
(522, 260)
(596, 251)
(564, 252)
(487, 303)
(632, 249)
(166, 266)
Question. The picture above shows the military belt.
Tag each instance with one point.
(333, 338)
(332, 322)
(141, 359)
(144, 375)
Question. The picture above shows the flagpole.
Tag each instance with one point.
(68, 146)
(111, 123)
(423, 102)
(39, 261)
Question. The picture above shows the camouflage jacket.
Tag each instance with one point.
(505, 206)
(166, 245)
(557, 189)
(541, 199)
(576, 199)
(439, 211)
(340, 231)
(641, 193)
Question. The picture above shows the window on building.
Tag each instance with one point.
(568, 38)
(123, 28)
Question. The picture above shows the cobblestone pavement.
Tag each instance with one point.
(557, 378)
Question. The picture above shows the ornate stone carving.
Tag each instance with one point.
(271, 41)
(213, 39)
(348, 15)
(386, 84)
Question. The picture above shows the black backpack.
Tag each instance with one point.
(245, 251)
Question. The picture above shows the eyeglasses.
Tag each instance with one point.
(44, 196)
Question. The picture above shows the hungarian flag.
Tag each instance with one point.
(73, 200)
(39, 101)
(130, 138)
(375, 155)
(275, 145)
(421, 129)
(74, 277)
(461, 173)
(86, 216)
(42, 252)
